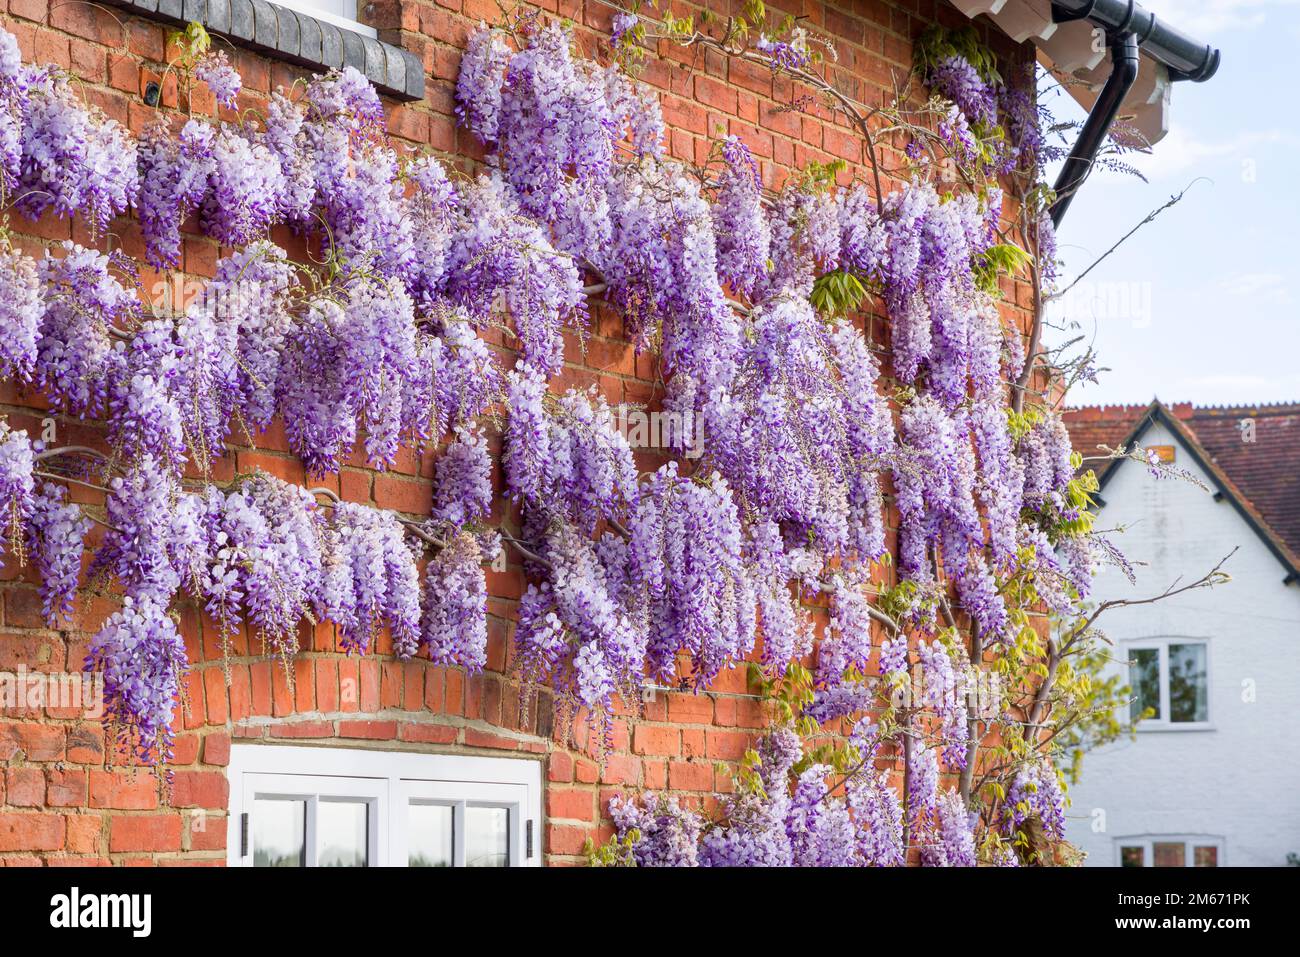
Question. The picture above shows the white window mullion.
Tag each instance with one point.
(458, 834)
(1164, 683)
(313, 806)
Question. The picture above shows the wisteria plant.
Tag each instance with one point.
(751, 300)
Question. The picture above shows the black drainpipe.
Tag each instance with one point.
(1128, 28)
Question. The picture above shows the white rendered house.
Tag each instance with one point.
(1213, 778)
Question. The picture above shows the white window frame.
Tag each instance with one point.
(345, 18)
(1190, 841)
(1164, 722)
(388, 781)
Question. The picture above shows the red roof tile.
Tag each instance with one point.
(1256, 447)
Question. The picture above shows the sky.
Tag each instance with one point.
(1203, 304)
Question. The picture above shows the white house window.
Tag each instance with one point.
(1169, 678)
(340, 807)
(341, 13)
(1169, 851)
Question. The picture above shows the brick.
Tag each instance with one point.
(374, 730)
(205, 789)
(37, 742)
(475, 738)
(690, 708)
(207, 832)
(654, 739)
(216, 749)
(727, 745)
(123, 790)
(566, 839)
(36, 831)
(66, 789)
(150, 832)
(570, 804)
(690, 776)
(83, 833)
(427, 733)
(304, 729)
(25, 787)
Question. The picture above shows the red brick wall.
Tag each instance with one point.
(62, 802)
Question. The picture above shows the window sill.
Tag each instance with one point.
(1182, 727)
(297, 37)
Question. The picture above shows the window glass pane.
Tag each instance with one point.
(1188, 688)
(1132, 857)
(341, 831)
(1206, 857)
(279, 832)
(428, 831)
(1144, 680)
(487, 837)
(1170, 854)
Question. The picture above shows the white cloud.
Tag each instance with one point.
(1181, 152)
(1259, 288)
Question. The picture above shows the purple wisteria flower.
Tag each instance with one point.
(222, 79)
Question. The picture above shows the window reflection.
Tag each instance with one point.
(1170, 854)
(1188, 688)
(341, 828)
(487, 834)
(279, 832)
(1144, 678)
(429, 835)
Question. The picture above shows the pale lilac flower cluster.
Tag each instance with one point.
(156, 541)
(222, 80)
(1044, 453)
(686, 564)
(954, 78)
(800, 432)
(954, 844)
(174, 175)
(244, 185)
(501, 253)
(143, 660)
(479, 82)
(743, 234)
(806, 238)
(1036, 792)
(462, 488)
(370, 579)
(353, 362)
(74, 159)
(620, 25)
(57, 531)
(874, 804)
(13, 106)
(454, 626)
(20, 314)
(83, 301)
(264, 555)
(17, 484)
(669, 833)
(943, 691)
(781, 819)
(922, 788)
(920, 251)
(143, 415)
(568, 460)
